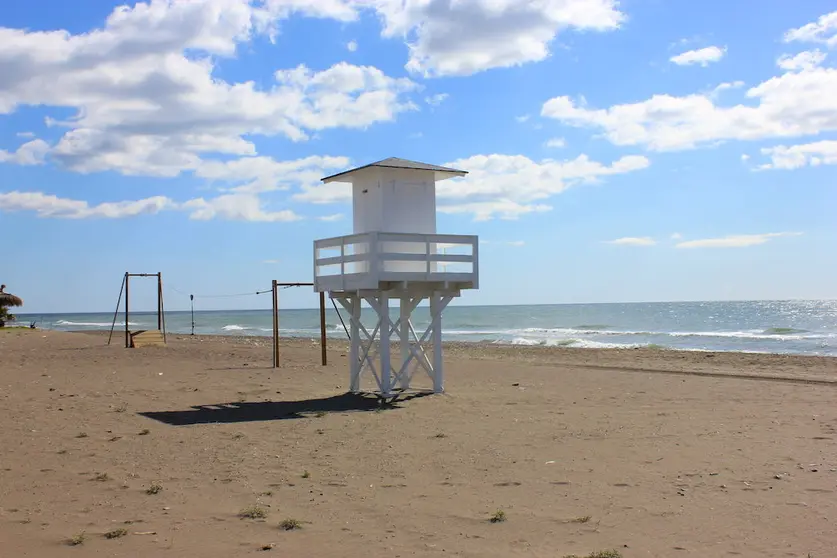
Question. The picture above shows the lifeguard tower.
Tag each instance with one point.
(395, 254)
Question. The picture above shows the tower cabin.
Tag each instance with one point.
(395, 253)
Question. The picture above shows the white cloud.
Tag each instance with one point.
(523, 118)
(806, 60)
(45, 205)
(790, 105)
(516, 243)
(462, 38)
(676, 236)
(734, 241)
(270, 261)
(702, 56)
(726, 86)
(824, 31)
(331, 218)
(502, 208)
(25, 134)
(30, 153)
(509, 185)
(556, 143)
(633, 241)
(146, 96)
(351, 46)
(231, 207)
(796, 156)
(436, 100)
(264, 174)
(745, 158)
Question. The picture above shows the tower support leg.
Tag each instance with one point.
(436, 308)
(385, 330)
(404, 340)
(354, 352)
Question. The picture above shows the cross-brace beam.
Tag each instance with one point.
(368, 347)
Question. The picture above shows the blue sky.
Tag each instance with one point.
(633, 151)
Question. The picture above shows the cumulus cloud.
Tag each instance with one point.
(232, 207)
(265, 174)
(556, 143)
(793, 104)
(806, 60)
(734, 241)
(351, 46)
(46, 205)
(508, 186)
(796, 156)
(633, 241)
(701, 56)
(30, 153)
(147, 98)
(824, 31)
(462, 38)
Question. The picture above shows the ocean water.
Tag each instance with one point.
(791, 327)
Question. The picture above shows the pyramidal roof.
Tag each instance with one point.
(398, 163)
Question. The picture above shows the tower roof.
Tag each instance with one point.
(396, 163)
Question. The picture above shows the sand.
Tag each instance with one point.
(649, 453)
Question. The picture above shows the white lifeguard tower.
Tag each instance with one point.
(395, 253)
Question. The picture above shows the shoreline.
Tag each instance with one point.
(815, 369)
(479, 343)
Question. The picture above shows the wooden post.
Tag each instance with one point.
(162, 319)
(323, 329)
(127, 334)
(275, 325)
(159, 301)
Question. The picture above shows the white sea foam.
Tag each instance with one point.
(234, 327)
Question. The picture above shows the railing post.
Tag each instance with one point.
(427, 257)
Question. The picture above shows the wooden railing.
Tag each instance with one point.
(363, 261)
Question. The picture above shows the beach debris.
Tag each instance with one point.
(549, 463)
(145, 532)
(778, 476)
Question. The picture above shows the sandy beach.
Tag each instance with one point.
(647, 453)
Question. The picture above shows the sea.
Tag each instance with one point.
(805, 327)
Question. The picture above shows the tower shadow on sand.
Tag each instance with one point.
(275, 410)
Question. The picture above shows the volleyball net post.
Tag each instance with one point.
(276, 286)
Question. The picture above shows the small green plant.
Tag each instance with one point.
(116, 533)
(155, 488)
(77, 540)
(320, 414)
(305, 474)
(101, 477)
(582, 519)
(498, 517)
(144, 432)
(253, 512)
(290, 525)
